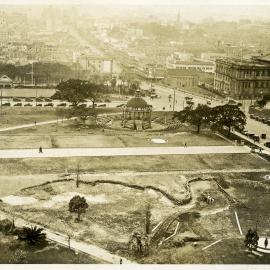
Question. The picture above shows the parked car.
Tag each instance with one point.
(256, 138)
(28, 105)
(29, 100)
(101, 105)
(264, 120)
(251, 135)
(18, 104)
(39, 99)
(267, 144)
(252, 116)
(48, 99)
(62, 105)
(39, 105)
(48, 105)
(268, 122)
(208, 102)
(120, 105)
(7, 104)
(263, 136)
(16, 99)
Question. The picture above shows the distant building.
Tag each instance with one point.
(6, 82)
(243, 78)
(178, 78)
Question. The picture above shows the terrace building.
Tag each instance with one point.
(243, 78)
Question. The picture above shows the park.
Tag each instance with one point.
(108, 184)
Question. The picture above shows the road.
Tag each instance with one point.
(124, 151)
(94, 251)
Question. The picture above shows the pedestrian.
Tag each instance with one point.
(35, 123)
(265, 242)
(185, 144)
(121, 261)
(260, 149)
(40, 149)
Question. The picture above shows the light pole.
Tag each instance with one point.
(173, 99)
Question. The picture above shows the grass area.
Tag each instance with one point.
(28, 92)
(10, 248)
(29, 166)
(115, 212)
(25, 115)
(66, 135)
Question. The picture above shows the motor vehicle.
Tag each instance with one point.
(256, 138)
(257, 117)
(267, 144)
(263, 136)
(251, 135)
(48, 99)
(62, 105)
(245, 132)
(264, 120)
(7, 104)
(39, 105)
(208, 102)
(101, 105)
(48, 105)
(16, 99)
(18, 104)
(252, 116)
(28, 105)
(39, 99)
(120, 105)
(29, 100)
(268, 122)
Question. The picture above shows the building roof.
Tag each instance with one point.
(137, 102)
(5, 79)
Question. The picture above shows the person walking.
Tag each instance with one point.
(121, 261)
(35, 123)
(185, 144)
(265, 243)
(40, 150)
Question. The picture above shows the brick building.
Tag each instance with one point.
(243, 78)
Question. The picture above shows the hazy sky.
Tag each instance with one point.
(140, 2)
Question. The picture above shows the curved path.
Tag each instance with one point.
(123, 151)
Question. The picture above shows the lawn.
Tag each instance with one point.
(53, 253)
(29, 166)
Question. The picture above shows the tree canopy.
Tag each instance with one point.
(78, 205)
(201, 115)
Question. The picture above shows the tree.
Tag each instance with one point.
(78, 205)
(228, 115)
(148, 220)
(77, 91)
(197, 117)
(251, 239)
(82, 111)
(32, 235)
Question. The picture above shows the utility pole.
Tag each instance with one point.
(173, 99)
(78, 175)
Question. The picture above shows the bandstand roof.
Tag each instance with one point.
(137, 102)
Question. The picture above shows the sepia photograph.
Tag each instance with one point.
(135, 134)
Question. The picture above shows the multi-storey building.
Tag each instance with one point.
(243, 78)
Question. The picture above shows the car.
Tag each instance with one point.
(256, 138)
(18, 104)
(268, 122)
(267, 144)
(120, 105)
(48, 99)
(264, 120)
(252, 116)
(62, 105)
(39, 105)
(28, 105)
(263, 136)
(16, 99)
(29, 100)
(7, 104)
(48, 105)
(257, 117)
(208, 102)
(101, 105)
(251, 135)
(39, 99)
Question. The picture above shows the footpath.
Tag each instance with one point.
(95, 252)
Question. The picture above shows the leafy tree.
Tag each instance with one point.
(32, 235)
(82, 112)
(77, 91)
(229, 116)
(78, 205)
(197, 117)
(251, 239)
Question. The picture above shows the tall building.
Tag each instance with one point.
(243, 78)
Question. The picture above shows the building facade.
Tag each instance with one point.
(243, 79)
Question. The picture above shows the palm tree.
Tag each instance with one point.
(32, 235)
